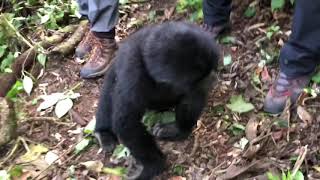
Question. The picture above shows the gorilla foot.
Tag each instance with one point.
(169, 132)
(106, 140)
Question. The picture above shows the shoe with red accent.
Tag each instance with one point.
(282, 89)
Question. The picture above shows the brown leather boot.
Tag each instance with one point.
(100, 58)
(86, 45)
(217, 30)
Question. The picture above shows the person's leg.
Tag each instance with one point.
(103, 16)
(83, 7)
(298, 58)
(216, 16)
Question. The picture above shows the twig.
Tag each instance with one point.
(50, 119)
(73, 88)
(300, 160)
(17, 32)
(63, 154)
(214, 169)
(255, 26)
(257, 89)
(195, 145)
(14, 149)
(69, 150)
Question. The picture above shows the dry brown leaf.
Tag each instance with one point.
(251, 151)
(24, 176)
(278, 135)
(234, 171)
(177, 178)
(252, 128)
(304, 115)
(169, 12)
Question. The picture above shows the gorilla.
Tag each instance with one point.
(161, 67)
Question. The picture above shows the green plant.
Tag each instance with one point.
(286, 176)
(279, 4)
(151, 118)
(274, 29)
(193, 6)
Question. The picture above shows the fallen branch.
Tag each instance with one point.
(301, 157)
(26, 59)
(67, 46)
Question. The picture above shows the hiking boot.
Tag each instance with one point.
(217, 30)
(282, 89)
(100, 58)
(86, 45)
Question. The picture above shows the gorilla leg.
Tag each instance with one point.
(187, 111)
(132, 133)
(103, 130)
(187, 114)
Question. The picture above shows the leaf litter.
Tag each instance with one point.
(259, 150)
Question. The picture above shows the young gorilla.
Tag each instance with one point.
(165, 66)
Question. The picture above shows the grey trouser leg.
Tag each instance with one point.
(102, 14)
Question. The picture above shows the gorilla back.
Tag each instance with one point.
(165, 66)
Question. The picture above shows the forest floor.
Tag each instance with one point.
(225, 144)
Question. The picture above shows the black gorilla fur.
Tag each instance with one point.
(165, 66)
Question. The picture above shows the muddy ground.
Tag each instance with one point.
(211, 151)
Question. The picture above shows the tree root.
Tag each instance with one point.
(27, 59)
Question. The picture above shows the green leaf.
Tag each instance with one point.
(178, 170)
(299, 176)
(4, 175)
(118, 171)
(89, 129)
(15, 90)
(120, 152)
(237, 104)
(151, 118)
(316, 78)
(6, 62)
(269, 35)
(8, 70)
(122, 2)
(256, 79)
(250, 12)
(3, 50)
(227, 60)
(237, 129)
(16, 171)
(281, 123)
(228, 40)
(277, 4)
(82, 145)
(288, 176)
(42, 58)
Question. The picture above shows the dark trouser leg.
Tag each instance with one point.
(300, 54)
(298, 58)
(216, 12)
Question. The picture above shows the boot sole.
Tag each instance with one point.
(98, 74)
